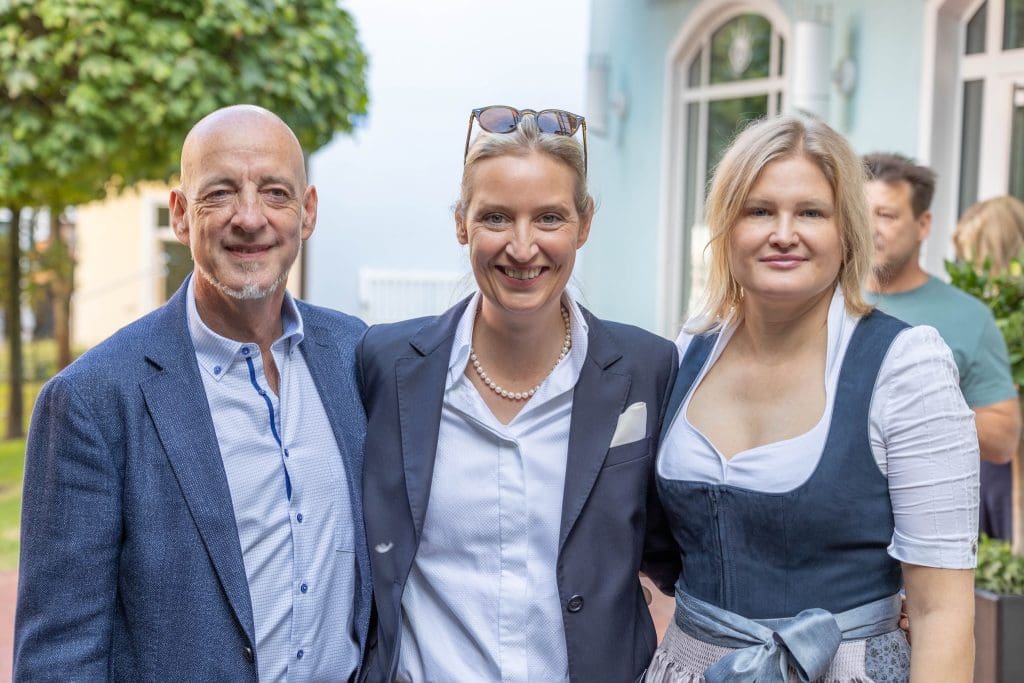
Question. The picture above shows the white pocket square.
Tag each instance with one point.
(632, 425)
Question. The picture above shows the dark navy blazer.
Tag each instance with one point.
(131, 567)
(606, 507)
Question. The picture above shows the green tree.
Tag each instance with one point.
(97, 95)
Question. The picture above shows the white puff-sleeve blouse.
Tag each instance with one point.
(922, 436)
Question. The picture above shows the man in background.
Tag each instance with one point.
(899, 194)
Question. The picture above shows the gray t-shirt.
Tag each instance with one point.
(967, 327)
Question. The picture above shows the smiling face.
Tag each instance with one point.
(523, 231)
(785, 246)
(244, 207)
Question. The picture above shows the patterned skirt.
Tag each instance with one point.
(880, 659)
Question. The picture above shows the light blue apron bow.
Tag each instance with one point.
(766, 648)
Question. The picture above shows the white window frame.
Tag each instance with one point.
(695, 32)
(945, 68)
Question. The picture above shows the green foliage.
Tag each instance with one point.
(999, 570)
(97, 94)
(1004, 295)
(12, 467)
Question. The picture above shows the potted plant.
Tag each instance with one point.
(999, 577)
(998, 613)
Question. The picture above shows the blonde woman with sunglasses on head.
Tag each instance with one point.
(817, 454)
(510, 442)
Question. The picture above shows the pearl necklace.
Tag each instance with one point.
(523, 395)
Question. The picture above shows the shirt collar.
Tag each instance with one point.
(562, 381)
(216, 353)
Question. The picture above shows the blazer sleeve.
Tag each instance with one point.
(70, 539)
(661, 561)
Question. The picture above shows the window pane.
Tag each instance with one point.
(693, 184)
(782, 56)
(1017, 145)
(163, 217)
(740, 49)
(970, 144)
(976, 30)
(1013, 25)
(177, 265)
(725, 118)
(693, 78)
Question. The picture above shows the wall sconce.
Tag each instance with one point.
(602, 105)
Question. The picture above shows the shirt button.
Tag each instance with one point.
(298, 655)
(248, 653)
(245, 350)
(575, 603)
(216, 369)
(286, 455)
(303, 588)
(298, 518)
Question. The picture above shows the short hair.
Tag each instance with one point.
(991, 230)
(892, 168)
(527, 138)
(758, 145)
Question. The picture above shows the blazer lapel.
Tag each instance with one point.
(328, 363)
(178, 407)
(598, 400)
(420, 386)
(329, 357)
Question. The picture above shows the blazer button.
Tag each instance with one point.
(248, 653)
(575, 603)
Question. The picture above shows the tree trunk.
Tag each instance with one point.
(63, 286)
(15, 406)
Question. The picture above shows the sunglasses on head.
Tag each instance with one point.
(501, 119)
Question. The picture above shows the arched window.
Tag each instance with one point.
(728, 69)
(974, 60)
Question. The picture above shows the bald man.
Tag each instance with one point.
(191, 506)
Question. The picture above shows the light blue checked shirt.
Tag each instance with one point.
(291, 501)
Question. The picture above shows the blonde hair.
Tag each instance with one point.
(758, 145)
(992, 230)
(527, 138)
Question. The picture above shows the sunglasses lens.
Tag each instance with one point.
(498, 119)
(557, 122)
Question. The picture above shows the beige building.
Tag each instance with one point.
(128, 262)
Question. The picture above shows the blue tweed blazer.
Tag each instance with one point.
(131, 567)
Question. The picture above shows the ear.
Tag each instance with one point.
(585, 221)
(309, 205)
(924, 222)
(461, 229)
(178, 205)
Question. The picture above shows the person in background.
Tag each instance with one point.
(191, 507)
(817, 454)
(991, 231)
(511, 440)
(991, 234)
(899, 194)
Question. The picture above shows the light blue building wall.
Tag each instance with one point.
(627, 171)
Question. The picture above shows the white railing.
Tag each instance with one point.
(391, 295)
